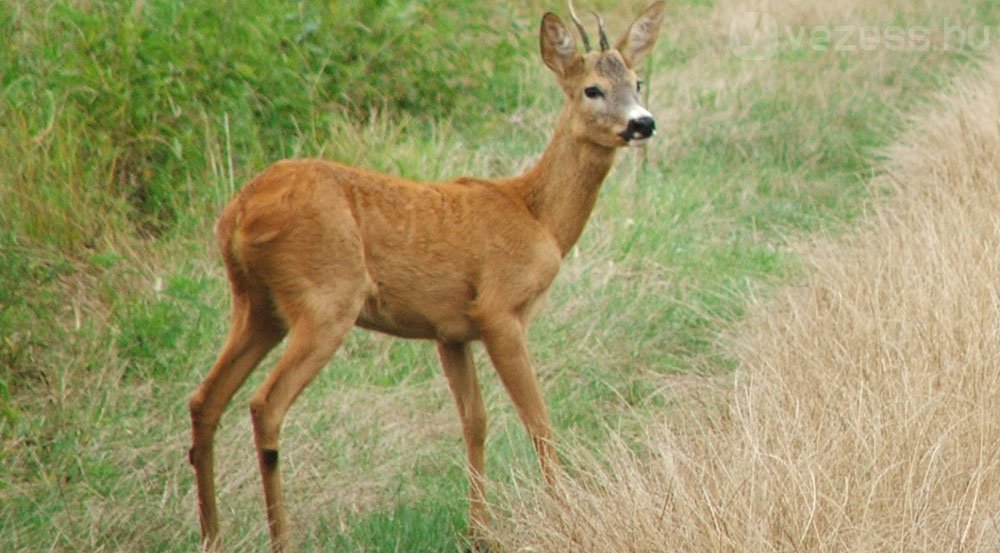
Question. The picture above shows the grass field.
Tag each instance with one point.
(862, 414)
(704, 342)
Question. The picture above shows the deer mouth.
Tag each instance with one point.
(634, 138)
(638, 142)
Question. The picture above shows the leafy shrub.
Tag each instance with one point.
(146, 81)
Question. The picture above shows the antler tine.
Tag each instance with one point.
(579, 27)
(605, 46)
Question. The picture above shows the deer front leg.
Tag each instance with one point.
(456, 359)
(506, 345)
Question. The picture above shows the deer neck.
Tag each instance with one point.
(562, 187)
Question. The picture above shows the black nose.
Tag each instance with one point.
(643, 127)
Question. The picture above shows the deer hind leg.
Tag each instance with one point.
(320, 322)
(255, 331)
(456, 359)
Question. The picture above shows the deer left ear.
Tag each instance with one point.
(557, 45)
(639, 39)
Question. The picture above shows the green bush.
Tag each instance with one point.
(147, 82)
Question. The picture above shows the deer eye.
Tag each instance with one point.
(593, 92)
(638, 86)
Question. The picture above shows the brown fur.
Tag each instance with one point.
(313, 248)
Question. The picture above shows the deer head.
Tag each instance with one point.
(602, 88)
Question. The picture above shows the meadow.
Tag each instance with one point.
(776, 334)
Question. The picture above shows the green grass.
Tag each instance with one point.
(126, 135)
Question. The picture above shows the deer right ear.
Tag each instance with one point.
(639, 39)
(558, 46)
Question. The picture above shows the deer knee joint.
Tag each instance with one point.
(196, 406)
(258, 411)
(204, 417)
(265, 423)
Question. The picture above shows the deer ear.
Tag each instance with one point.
(558, 46)
(639, 39)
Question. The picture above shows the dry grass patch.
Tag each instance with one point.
(863, 414)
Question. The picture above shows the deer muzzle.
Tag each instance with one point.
(639, 129)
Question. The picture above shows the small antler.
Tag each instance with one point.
(605, 46)
(579, 27)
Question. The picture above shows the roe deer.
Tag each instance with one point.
(313, 248)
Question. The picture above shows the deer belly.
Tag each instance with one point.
(435, 321)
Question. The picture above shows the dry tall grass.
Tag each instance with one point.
(863, 415)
